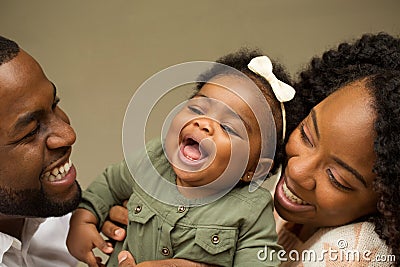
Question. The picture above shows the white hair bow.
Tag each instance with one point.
(262, 66)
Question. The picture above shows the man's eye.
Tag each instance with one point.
(195, 110)
(55, 103)
(31, 134)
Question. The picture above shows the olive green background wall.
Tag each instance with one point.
(98, 52)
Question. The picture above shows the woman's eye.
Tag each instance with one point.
(229, 130)
(335, 182)
(304, 136)
(195, 110)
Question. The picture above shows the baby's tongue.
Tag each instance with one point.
(192, 151)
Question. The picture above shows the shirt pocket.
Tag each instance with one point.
(142, 236)
(138, 211)
(216, 245)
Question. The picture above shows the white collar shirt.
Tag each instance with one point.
(42, 244)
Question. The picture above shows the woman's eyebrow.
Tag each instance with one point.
(337, 160)
(314, 119)
(351, 170)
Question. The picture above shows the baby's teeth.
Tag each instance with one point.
(47, 174)
(52, 178)
(58, 177)
(62, 169)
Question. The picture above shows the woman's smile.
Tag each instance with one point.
(288, 200)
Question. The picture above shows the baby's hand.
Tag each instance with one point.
(83, 237)
(118, 216)
(125, 259)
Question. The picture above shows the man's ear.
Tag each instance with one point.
(263, 167)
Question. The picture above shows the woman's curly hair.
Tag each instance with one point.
(239, 61)
(372, 57)
(385, 89)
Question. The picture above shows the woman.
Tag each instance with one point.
(329, 182)
(376, 203)
(350, 142)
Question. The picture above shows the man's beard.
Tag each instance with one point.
(35, 203)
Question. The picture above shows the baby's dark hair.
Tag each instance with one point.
(239, 61)
(8, 50)
(373, 56)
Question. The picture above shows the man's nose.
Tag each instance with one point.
(61, 134)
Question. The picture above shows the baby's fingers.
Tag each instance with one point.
(119, 214)
(99, 262)
(102, 245)
(112, 231)
(125, 259)
(91, 260)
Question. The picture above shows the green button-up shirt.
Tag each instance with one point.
(238, 229)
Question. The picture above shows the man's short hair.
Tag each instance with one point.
(8, 50)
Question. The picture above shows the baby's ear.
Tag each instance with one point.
(263, 167)
(262, 170)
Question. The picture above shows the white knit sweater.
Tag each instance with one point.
(355, 244)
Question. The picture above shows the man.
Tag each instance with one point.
(37, 179)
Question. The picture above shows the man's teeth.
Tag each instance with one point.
(291, 196)
(58, 172)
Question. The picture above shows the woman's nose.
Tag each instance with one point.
(205, 124)
(303, 171)
(62, 134)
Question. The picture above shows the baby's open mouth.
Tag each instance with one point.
(192, 150)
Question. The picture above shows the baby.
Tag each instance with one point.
(218, 142)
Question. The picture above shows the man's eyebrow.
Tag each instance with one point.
(230, 110)
(314, 119)
(351, 170)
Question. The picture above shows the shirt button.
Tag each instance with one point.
(138, 209)
(165, 251)
(181, 209)
(215, 239)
